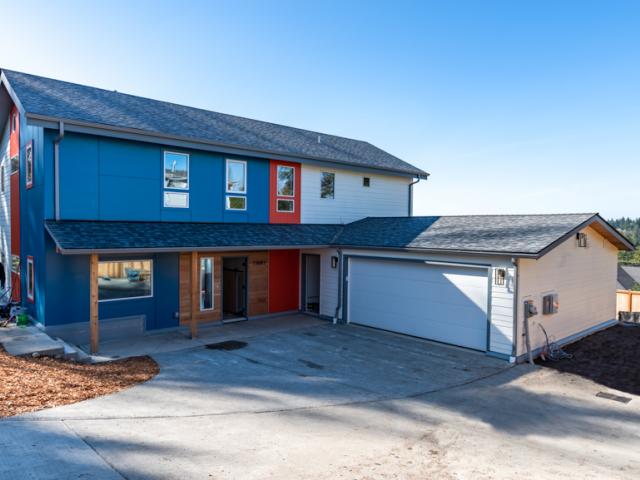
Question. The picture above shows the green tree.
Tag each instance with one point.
(630, 228)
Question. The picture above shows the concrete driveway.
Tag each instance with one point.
(332, 402)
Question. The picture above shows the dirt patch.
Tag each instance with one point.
(610, 357)
(30, 384)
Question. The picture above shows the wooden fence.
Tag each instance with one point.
(627, 301)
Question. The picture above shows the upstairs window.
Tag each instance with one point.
(28, 153)
(14, 122)
(236, 176)
(236, 183)
(176, 171)
(327, 184)
(2, 178)
(286, 179)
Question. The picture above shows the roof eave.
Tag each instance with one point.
(199, 144)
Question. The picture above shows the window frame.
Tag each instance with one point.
(293, 181)
(31, 279)
(213, 295)
(333, 185)
(150, 260)
(164, 178)
(293, 205)
(3, 176)
(28, 163)
(366, 182)
(226, 178)
(227, 204)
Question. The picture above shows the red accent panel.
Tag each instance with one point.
(14, 136)
(284, 280)
(274, 215)
(15, 230)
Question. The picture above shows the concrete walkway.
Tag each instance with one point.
(27, 341)
(333, 402)
(176, 340)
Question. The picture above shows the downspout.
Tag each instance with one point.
(514, 351)
(340, 287)
(410, 212)
(56, 170)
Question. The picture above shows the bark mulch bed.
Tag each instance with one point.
(30, 384)
(610, 357)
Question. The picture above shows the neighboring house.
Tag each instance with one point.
(628, 277)
(130, 215)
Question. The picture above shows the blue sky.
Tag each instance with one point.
(512, 106)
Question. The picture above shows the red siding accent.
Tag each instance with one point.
(15, 231)
(14, 137)
(14, 186)
(274, 215)
(284, 280)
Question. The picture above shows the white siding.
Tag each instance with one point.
(585, 281)
(501, 298)
(388, 196)
(5, 212)
(328, 282)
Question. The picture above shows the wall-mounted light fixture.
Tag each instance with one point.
(334, 262)
(500, 276)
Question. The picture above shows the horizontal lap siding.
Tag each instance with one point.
(585, 281)
(387, 196)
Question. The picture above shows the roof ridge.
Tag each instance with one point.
(189, 106)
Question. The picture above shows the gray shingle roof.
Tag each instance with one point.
(495, 234)
(62, 100)
(628, 276)
(89, 235)
(509, 234)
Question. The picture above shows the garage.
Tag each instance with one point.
(443, 302)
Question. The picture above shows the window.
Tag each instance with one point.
(366, 182)
(286, 180)
(176, 171)
(285, 205)
(176, 199)
(236, 176)
(236, 203)
(2, 174)
(581, 240)
(30, 279)
(125, 279)
(28, 153)
(206, 283)
(327, 184)
(14, 122)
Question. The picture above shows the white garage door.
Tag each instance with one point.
(443, 303)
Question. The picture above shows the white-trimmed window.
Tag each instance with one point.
(28, 154)
(285, 205)
(236, 180)
(176, 170)
(327, 184)
(236, 202)
(286, 181)
(206, 283)
(125, 279)
(31, 281)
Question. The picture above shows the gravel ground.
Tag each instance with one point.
(609, 357)
(30, 384)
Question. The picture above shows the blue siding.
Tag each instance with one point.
(67, 285)
(109, 179)
(32, 235)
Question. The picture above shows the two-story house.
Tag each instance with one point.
(122, 215)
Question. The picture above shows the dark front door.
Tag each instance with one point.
(234, 288)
